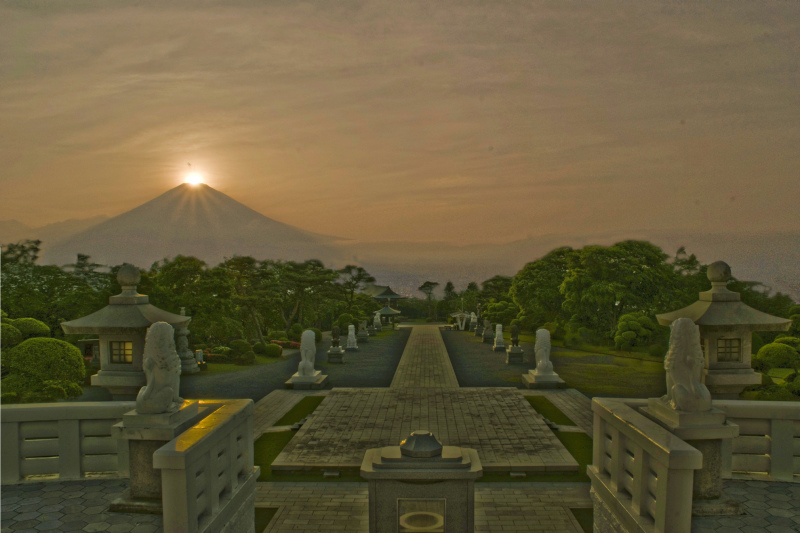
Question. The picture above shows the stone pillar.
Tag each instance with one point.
(146, 434)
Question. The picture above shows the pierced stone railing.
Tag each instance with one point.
(768, 445)
(62, 441)
(641, 474)
(207, 473)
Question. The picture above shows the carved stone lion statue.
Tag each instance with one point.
(542, 349)
(308, 354)
(684, 365)
(514, 330)
(335, 332)
(162, 368)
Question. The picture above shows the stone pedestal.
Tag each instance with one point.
(478, 330)
(335, 355)
(728, 384)
(499, 345)
(298, 382)
(514, 355)
(421, 486)
(705, 431)
(362, 336)
(488, 336)
(145, 435)
(532, 380)
(371, 331)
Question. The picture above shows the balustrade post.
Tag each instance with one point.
(781, 445)
(9, 452)
(69, 449)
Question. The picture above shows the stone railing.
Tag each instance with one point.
(207, 473)
(768, 445)
(641, 474)
(62, 441)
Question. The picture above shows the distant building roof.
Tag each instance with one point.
(388, 311)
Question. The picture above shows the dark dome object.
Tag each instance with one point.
(718, 272)
(421, 444)
(128, 275)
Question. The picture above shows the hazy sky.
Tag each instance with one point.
(464, 121)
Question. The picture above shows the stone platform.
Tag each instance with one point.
(498, 422)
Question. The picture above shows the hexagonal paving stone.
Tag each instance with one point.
(76, 525)
(120, 528)
(786, 513)
(97, 526)
(50, 525)
(145, 528)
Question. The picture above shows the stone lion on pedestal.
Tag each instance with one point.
(308, 354)
(684, 365)
(162, 368)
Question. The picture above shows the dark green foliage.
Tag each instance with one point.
(266, 448)
(260, 348)
(793, 387)
(657, 350)
(633, 329)
(30, 328)
(9, 336)
(295, 332)
(245, 358)
(756, 343)
(273, 350)
(344, 320)
(776, 393)
(239, 347)
(777, 355)
(317, 335)
(502, 312)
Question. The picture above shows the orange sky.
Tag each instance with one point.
(469, 121)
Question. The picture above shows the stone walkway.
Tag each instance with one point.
(344, 507)
(70, 506)
(425, 362)
(505, 430)
(572, 403)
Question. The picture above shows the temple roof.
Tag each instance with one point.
(388, 311)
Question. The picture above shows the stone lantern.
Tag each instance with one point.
(421, 486)
(726, 329)
(121, 327)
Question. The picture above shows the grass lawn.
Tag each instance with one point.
(222, 368)
(603, 375)
(545, 407)
(263, 516)
(585, 518)
(303, 408)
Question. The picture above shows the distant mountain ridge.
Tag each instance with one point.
(14, 230)
(190, 220)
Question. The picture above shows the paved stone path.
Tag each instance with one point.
(425, 362)
(498, 422)
(70, 506)
(572, 403)
(498, 507)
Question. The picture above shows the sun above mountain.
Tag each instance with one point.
(194, 178)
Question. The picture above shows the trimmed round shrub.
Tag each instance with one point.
(777, 355)
(240, 346)
(46, 359)
(766, 380)
(794, 342)
(295, 332)
(344, 320)
(791, 377)
(776, 393)
(9, 336)
(317, 335)
(273, 350)
(794, 387)
(30, 328)
(260, 348)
